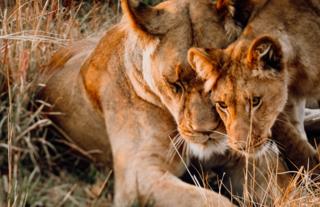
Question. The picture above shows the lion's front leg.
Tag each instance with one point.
(143, 172)
(146, 177)
(295, 111)
(293, 146)
(312, 121)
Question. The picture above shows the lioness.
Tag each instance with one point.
(133, 89)
(263, 79)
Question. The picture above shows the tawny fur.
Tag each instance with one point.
(122, 98)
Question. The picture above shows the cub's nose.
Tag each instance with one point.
(243, 146)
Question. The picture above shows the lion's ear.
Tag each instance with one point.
(266, 52)
(142, 18)
(200, 62)
(205, 66)
(239, 10)
(226, 7)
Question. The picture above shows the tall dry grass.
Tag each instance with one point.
(30, 31)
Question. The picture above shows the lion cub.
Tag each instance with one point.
(265, 77)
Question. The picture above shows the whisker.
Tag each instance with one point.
(177, 141)
(171, 153)
(194, 178)
(220, 133)
(185, 150)
(175, 130)
(279, 145)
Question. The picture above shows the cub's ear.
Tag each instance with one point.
(144, 19)
(266, 52)
(205, 66)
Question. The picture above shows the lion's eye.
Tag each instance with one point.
(256, 101)
(222, 104)
(177, 87)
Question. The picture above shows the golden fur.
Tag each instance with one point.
(264, 78)
(123, 96)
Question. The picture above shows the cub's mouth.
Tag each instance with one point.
(205, 144)
(258, 150)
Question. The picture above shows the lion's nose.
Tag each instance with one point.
(204, 131)
(207, 127)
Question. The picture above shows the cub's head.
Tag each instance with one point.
(248, 86)
(156, 59)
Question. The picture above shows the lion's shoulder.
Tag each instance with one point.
(64, 54)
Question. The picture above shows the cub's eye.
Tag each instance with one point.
(176, 87)
(256, 101)
(222, 104)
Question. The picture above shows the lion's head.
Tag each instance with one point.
(248, 87)
(156, 57)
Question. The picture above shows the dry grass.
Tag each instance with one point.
(301, 191)
(32, 171)
(31, 168)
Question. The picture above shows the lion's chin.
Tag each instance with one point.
(205, 151)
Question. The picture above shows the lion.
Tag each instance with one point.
(123, 96)
(263, 79)
(131, 94)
